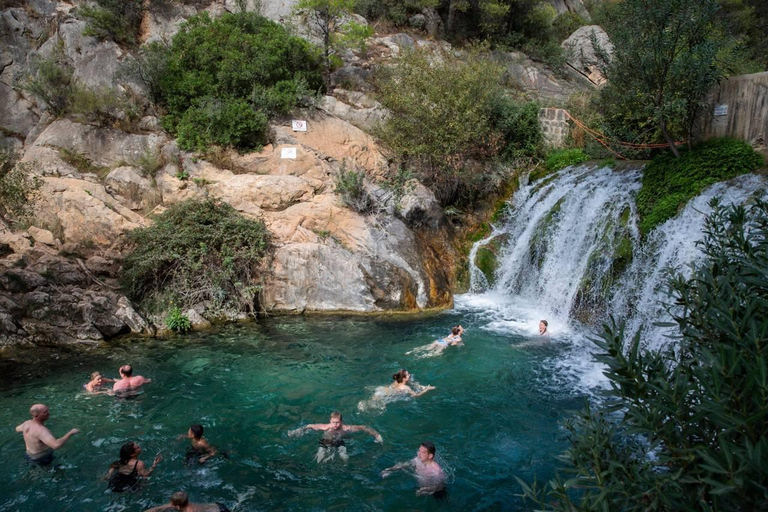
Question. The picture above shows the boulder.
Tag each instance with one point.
(131, 188)
(48, 162)
(365, 118)
(536, 79)
(581, 52)
(134, 321)
(196, 320)
(160, 25)
(419, 207)
(352, 77)
(41, 236)
(17, 115)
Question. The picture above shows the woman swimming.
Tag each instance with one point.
(97, 380)
(402, 378)
(395, 391)
(436, 347)
(125, 474)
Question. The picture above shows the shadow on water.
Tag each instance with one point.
(494, 415)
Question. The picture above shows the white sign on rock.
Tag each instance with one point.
(288, 153)
(299, 125)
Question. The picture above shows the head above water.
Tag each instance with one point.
(401, 376)
(39, 412)
(179, 499)
(427, 451)
(126, 370)
(336, 420)
(197, 431)
(128, 451)
(95, 375)
(543, 325)
(455, 330)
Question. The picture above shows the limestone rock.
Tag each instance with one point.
(160, 25)
(419, 207)
(17, 115)
(581, 53)
(350, 77)
(134, 321)
(364, 117)
(103, 146)
(536, 79)
(196, 320)
(48, 162)
(574, 6)
(41, 236)
(129, 185)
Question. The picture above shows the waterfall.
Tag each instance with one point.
(572, 253)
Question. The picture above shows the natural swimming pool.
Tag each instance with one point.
(495, 415)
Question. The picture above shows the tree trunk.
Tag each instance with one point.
(669, 139)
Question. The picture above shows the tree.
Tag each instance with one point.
(664, 63)
(332, 20)
(691, 431)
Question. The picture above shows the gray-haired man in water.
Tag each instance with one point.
(428, 472)
(333, 437)
(38, 439)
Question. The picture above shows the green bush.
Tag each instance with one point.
(441, 117)
(396, 11)
(148, 67)
(562, 158)
(669, 182)
(118, 20)
(519, 126)
(692, 431)
(565, 25)
(197, 252)
(349, 185)
(238, 65)
(19, 188)
(51, 82)
(103, 106)
(177, 321)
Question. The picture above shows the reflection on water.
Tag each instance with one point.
(493, 416)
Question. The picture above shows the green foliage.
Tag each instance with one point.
(350, 186)
(441, 116)
(19, 187)
(565, 25)
(668, 182)
(80, 162)
(518, 124)
(562, 158)
(103, 106)
(225, 77)
(396, 11)
(197, 251)
(51, 82)
(692, 433)
(747, 21)
(118, 20)
(665, 62)
(177, 321)
(149, 66)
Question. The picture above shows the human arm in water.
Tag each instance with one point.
(142, 470)
(362, 428)
(397, 467)
(423, 390)
(313, 426)
(47, 438)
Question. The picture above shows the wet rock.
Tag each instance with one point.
(197, 320)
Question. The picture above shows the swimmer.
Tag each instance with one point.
(128, 381)
(97, 380)
(38, 439)
(402, 378)
(438, 346)
(333, 436)
(429, 474)
(124, 474)
(180, 501)
(200, 445)
(543, 325)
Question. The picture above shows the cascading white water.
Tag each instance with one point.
(574, 256)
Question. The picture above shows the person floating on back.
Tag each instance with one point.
(38, 439)
(180, 501)
(429, 474)
(438, 346)
(96, 383)
(125, 473)
(128, 381)
(333, 437)
(200, 450)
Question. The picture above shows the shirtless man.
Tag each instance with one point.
(200, 445)
(429, 474)
(39, 440)
(128, 381)
(333, 436)
(180, 501)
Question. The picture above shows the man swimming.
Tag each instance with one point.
(180, 501)
(38, 439)
(333, 437)
(128, 381)
(429, 474)
(200, 446)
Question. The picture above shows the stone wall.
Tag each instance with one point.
(554, 126)
(740, 110)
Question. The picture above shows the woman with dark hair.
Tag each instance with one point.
(124, 474)
(402, 378)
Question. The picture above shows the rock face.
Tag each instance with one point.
(585, 48)
(58, 278)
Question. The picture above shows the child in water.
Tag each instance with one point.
(97, 380)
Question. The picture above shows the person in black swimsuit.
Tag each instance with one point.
(333, 436)
(125, 474)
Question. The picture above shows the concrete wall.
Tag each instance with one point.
(740, 110)
(554, 126)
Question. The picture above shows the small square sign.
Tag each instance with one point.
(299, 125)
(288, 153)
(721, 110)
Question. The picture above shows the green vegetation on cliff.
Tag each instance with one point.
(669, 183)
(197, 252)
(225, 78)
(691, 430)
(19, 187)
